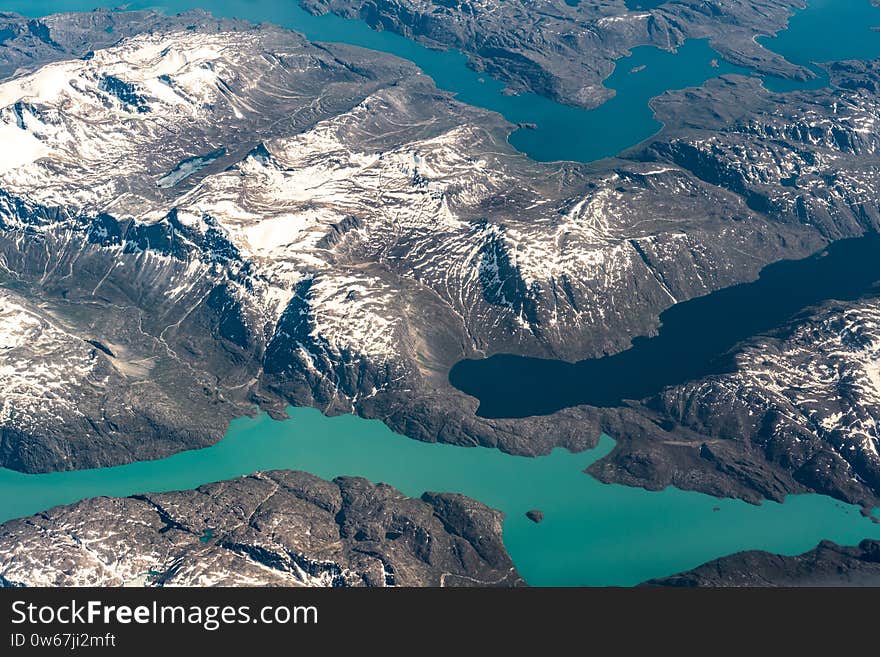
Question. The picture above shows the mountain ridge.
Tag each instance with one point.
(344, 245)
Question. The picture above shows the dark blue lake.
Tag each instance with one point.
(692, 341)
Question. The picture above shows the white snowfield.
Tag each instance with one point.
(824, 379)
(87, 130)
(41, 368)
(75, 129)
(91, 146)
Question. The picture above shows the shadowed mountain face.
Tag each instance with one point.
(207, 215)
(827, 565)
(275, 528)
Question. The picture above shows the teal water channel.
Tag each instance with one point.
(592, 533)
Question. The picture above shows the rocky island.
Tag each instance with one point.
(275, 528)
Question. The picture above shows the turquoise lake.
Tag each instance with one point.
(593, 534)
(829, 30)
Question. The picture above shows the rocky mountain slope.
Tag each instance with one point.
(564, 49)
(827, 565)
(275, 528)
(29, 42)
(88, 141)
(796, 413)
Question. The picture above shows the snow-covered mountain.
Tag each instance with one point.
(225, 215)
(808, 398)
